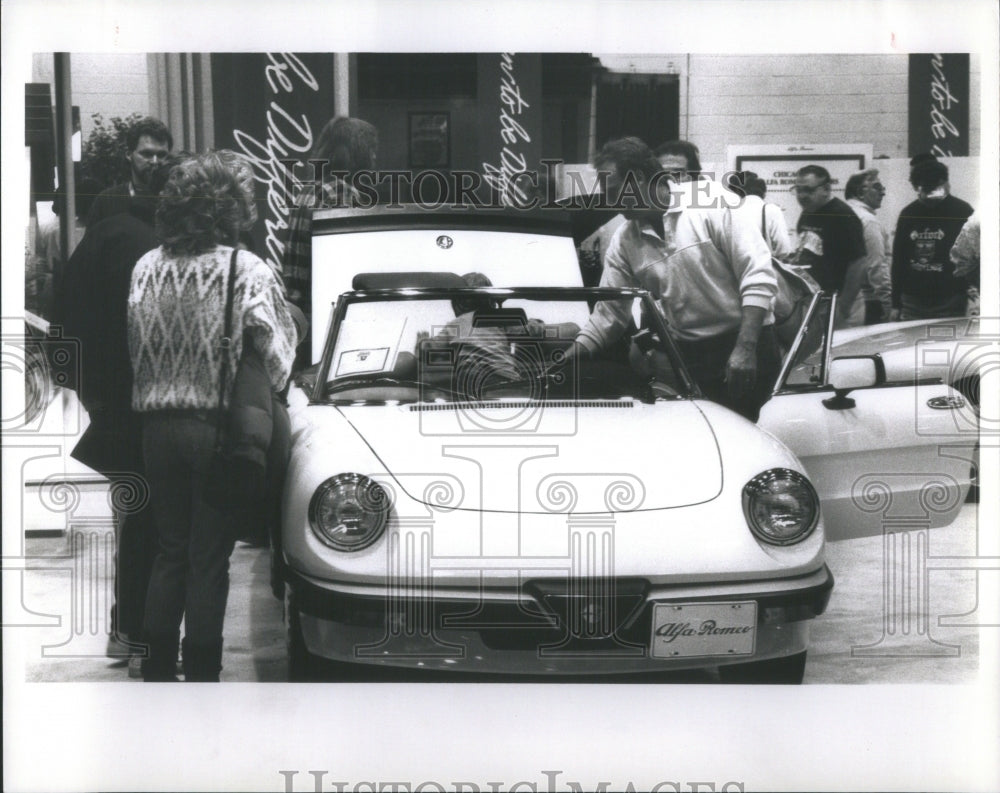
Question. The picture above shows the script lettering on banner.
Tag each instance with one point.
(510, 129)
(270, 107)
(939, 104)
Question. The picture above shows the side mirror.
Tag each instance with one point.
(846, 374)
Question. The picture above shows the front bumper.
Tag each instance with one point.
(545, 627)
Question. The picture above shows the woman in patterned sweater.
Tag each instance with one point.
(175, 319)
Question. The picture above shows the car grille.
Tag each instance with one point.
(593, 617)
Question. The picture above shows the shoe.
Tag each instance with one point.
(161, 665)
(139, 653)
(202, 660)
(118, 647)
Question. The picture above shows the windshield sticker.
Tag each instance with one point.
(368, 359)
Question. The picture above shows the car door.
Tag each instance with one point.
(881, 451)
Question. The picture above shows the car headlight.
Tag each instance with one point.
(348, 512)
(781, 506)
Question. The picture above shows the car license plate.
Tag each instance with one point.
(685, 630)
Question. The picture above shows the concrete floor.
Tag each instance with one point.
(74, 650)
(855, 641)
(66, 588)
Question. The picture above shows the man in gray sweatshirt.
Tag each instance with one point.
(707, 267)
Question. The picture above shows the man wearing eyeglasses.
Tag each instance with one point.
(831, 239)
(864, 193)
(148, 142)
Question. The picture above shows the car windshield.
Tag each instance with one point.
(432, 345)
(902, 350)
(805, 367)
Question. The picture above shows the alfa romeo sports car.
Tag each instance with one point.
(464, 494)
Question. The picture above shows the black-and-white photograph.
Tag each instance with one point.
(625, 371)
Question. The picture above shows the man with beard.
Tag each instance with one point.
(148, 142)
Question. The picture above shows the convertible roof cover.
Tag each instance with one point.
(407, 280)
(555, 221)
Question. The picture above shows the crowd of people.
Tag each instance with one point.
(716, 267)
(167, 298)
(167, 303)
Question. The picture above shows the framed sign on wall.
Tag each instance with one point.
(430, 141)
(777, 166)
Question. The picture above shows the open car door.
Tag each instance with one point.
(881, 450)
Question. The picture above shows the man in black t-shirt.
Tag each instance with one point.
(831, 238)
(924, 285)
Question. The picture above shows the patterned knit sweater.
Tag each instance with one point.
(176, 313)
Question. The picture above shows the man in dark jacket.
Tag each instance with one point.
(92, 304)
(149, 143)
(924, 285)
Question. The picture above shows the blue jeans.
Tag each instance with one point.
(190, 576)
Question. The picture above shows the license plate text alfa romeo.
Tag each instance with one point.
(685, 630)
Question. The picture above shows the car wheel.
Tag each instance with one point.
(973, 495)
(969, 388)
(788, 670)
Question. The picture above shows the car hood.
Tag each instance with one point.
(905, 334)
(596, 457)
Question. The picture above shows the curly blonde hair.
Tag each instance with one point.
(207, 201)
(240, 166)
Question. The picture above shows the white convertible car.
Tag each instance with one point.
(462, 496)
